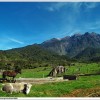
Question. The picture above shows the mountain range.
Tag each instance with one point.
(85, 47)
(73, 45)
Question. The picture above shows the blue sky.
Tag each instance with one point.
(26, 23)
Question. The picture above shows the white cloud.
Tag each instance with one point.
(16, 41)
(74, 5)
(91, 5)
(56, 6)
(70, 16)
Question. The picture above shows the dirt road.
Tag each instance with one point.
(40, 80)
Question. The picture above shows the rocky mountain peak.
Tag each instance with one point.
(72, 45)
(77, 34)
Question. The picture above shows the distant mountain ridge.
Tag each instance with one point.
(73, 45)
(78, 46)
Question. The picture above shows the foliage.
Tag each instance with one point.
(89, 54)
(57, 89)
(30, 57)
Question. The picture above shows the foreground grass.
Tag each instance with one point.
(61, 88)
(58, 89)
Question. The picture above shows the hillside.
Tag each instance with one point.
(31, 56)
(92, 54)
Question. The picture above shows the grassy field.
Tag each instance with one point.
(59, 89)
(78, 68)
(35, 73)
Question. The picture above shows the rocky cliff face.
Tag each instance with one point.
(73, 45)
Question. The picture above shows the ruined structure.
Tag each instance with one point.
(57, 70)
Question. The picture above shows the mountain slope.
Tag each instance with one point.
(73, 45)
(89, 54)
(32, 53)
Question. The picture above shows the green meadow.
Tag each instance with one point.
(59, 89)
(78, 68)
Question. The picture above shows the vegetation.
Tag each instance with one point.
(30, 57)
(58, 89)
(76, 68)
(89, 54)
